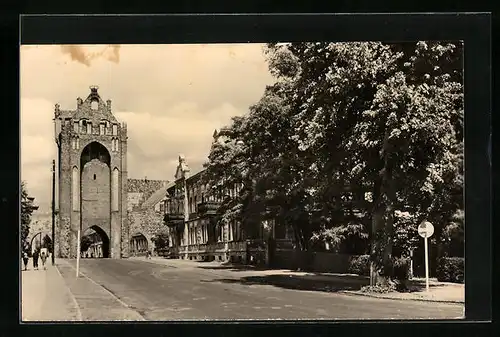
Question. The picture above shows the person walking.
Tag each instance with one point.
(35, 259)
(25, 260)
(43, 257)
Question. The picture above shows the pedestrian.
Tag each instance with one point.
(43, 256)
(35, 259)
(25, 260)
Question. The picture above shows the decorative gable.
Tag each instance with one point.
(182, 170)
(94, 108)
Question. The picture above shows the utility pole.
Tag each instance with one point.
(53, 211)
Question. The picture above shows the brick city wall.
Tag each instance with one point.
(146, 221)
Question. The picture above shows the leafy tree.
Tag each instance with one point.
(27, 208)
(343, 121)
(345, 239)
(85, 243)
(380, 118)
(160, 240)
(452, 237)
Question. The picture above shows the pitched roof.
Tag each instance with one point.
(157, 196)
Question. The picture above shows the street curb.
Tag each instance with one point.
(351, 293)
(141, 318)
(77, 306)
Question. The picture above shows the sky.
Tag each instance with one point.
(172, 97)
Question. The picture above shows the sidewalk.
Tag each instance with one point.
(45, 296)
(95, 302)
(439, 291)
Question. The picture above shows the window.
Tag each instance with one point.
(195, 205)
(230, 231)
(108, 128)
(115, 129)
(238, 231)
(94, 105)
(75, 126)
(101, 129)
(89, 128)
(219, 233)
(77, 143)
(73, 143)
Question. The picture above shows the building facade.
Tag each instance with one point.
(92, 176)
(195, 233)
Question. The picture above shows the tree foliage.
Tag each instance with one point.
(343, 121)
(85, 243)
(27, 208)
(161, 240)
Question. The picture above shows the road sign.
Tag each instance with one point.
(425, 229)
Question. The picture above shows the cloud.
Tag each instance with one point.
(156, 141)
(171, 96)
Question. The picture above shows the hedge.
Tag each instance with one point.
(450, 269)
(360, 265)
(401, 268)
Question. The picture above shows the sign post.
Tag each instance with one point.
(425, 230)
(411, 263)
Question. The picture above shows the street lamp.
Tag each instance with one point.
(53, 211)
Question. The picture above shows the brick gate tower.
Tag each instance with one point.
(92, 176)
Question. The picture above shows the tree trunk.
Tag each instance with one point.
(383, 221)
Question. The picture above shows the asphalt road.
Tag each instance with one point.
(178, 290)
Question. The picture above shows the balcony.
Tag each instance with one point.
(172, 220)
(208, 208)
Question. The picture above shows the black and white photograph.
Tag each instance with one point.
(242, 181)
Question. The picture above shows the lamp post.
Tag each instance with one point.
(53, 210)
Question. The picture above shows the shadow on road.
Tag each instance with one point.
(296, 282)
(233, 267)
